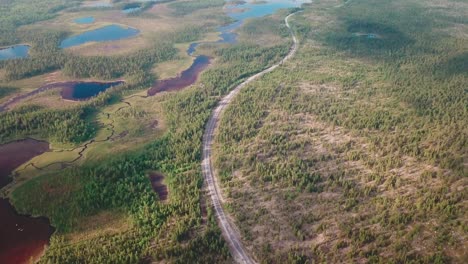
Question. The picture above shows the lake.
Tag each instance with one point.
(22, 237)
(248, 10)
(253, 10)
(107, 33)
(14, 52)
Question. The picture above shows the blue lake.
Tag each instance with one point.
(14, 52)
(253, 10)
(245, 11)
(84, 20)
(107, 33)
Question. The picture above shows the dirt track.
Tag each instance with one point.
(228, 229)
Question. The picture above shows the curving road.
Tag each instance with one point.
(228, 229)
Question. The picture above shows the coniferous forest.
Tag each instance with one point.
(353, 150)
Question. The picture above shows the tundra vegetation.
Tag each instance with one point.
(356, 150)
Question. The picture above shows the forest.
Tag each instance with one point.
(356, 150)
(353, 151)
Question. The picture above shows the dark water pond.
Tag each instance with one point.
(158, 186)
(185, 79)
(73, 90)
(14, 52)
(79, 91)
(107, 33)
(84, 20)
(22, 238)
(15, 153)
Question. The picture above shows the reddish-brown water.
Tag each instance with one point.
(186, 78)
(158, 186)
(22, 238)
(15, 153)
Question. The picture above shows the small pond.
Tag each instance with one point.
(14, 52)
(79, 91)
(84, 20)
(107, 33)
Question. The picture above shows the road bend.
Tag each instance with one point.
(228, 228)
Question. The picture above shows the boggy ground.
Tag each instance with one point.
(341, 161)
